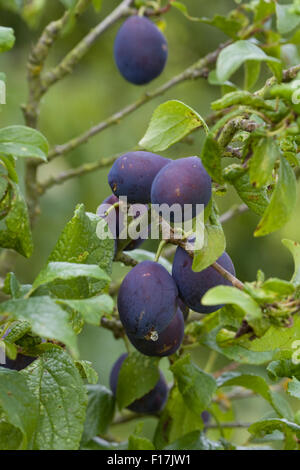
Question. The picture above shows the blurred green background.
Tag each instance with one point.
(93, 92)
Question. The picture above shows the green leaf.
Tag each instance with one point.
(287, 20)
(32, 12)
(262, 162)
(56, 383)
(10, 165)
(211, 158)
(92, 309)
(195, 386)
(241, 351)
(262, 9)
(99, 413)
(79, 243)
(65, 271)
(256, 199)
(294, 388)
(11, 285)
(234, 55)
(283, 368)
(143, 255)
(139, 443)
(176, 420)
(282, 202)
(214, 243)
(138, 375)
(195, 440)
(87, 371)
(21, 141)
(17, 329)
(3, 186)
(234, 296)
(278, 287)
(257, 385)
(7, 38)
(15, 231)
(294, 248)
(229, 26)
(267, 426)
(277, 339)
(45, 317)
(170, 122)
(19, 405)
(252, 71)
(10, 437)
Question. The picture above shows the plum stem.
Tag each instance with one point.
(111, 208)
(160, 249)
(227, 275)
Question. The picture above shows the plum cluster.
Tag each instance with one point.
(153, 304)
(140, 50)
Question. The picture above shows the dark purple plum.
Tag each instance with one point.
(147, 300)
(116, 223)
(183, 181)
(205, 415)
(192, 286)
(132, 175)
(19, 363)
(168, 341)
(140, 50)
(152, 402)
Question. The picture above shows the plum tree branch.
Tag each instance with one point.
(75, 172)
(235, 424)
(36, 62)
(67, 65)
(236, 210)
(198, 70)
(35, 67)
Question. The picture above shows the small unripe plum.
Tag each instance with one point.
(152, 402)
(192, 285)
(183, 181)
(116, 223)
(132, 175)
(19, 363)
(147, 300)
(140, 50)
(168, 341)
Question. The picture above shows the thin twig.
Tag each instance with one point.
(75, 172)
(126, 259)
(236, 424)
(236, 210)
